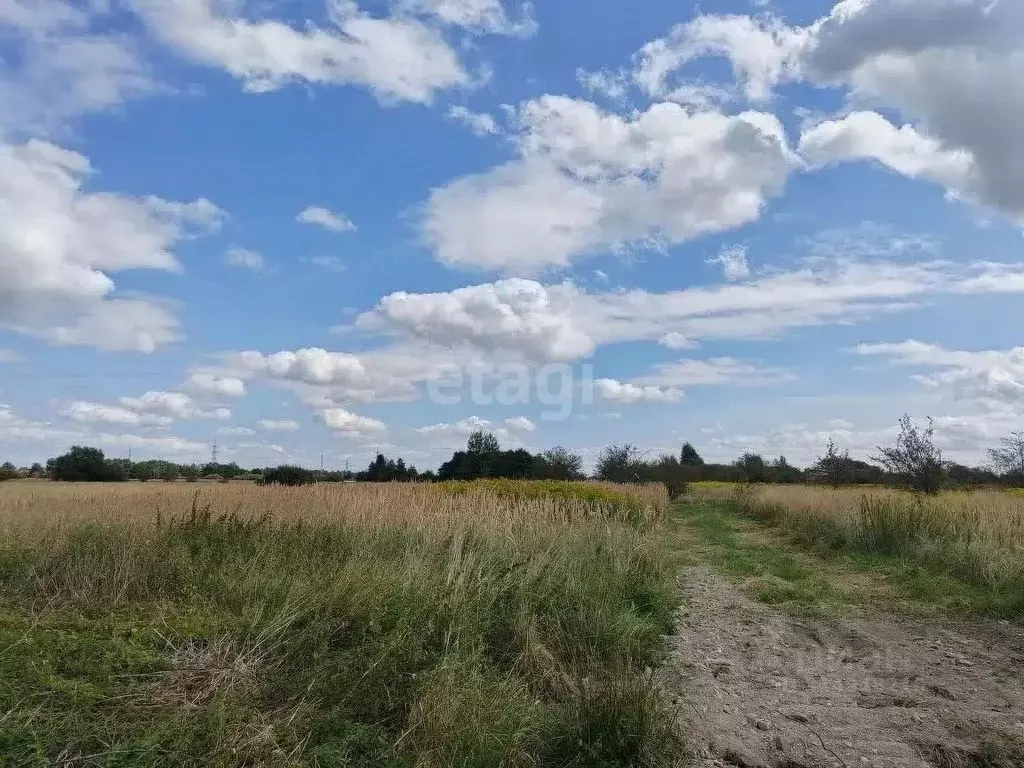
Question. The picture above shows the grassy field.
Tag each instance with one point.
(333, 625)
(968, 546)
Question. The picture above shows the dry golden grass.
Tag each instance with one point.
(994, 516)
(33, 503)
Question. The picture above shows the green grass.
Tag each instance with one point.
(887, 545)
(770, 573)
(222, 642)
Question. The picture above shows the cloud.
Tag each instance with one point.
(588, 181)
(953, 70)
(715, 371)
(174, 404)
(666, 383)
(59, 246)
(733, 260)
(465, 427)
(236, 431)
(458, 431)
(513, 314)
(312, 365)
(625, 392)
(10, 356)
(521, 423)
(59, 65)
(262, 448)
(869, 136)
(677, 341)
(476, 15)
(243, 258)
(209, 383)
(801, 443)
(763, 51)
(113, 414)
(278, 426)
(15, 428)
(346, 422)
(323, 378)
(398, 59)
(164, 447)
(993, 378)
(611, 85)
(528, 320)
(480, 123)
(335, 222)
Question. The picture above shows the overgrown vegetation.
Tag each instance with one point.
(287, 475)
(364, 625)
(975, 538)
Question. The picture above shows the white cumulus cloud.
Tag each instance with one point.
(588, 181)
(210, 383)
(626, 392)
(346, 422)
(953, 70)
(59, 246)
(399, 58)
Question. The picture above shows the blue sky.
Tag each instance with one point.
(289, 227)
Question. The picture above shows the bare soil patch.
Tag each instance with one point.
(762, 689)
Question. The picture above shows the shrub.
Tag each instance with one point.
(287, 475)
(914, 460)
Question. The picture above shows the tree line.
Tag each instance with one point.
(912, 461)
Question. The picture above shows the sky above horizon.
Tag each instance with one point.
(313, 228)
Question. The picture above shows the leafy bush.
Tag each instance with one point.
(287, 475)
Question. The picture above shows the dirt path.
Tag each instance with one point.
(759, 688)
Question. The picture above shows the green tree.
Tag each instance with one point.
(560, 463)
(191, 472)
(287, 475)
(143, 471)
(689, 456)
(8, 471)
(621, 464)
(753, 468)
(482, 443)
(834, 468)
(670, 471)
(784, 472)
(85, 464)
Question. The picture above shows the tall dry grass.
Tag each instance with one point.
(976, 535)
(30, 504)
(358, 625)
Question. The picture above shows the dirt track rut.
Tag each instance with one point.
(762, 689)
